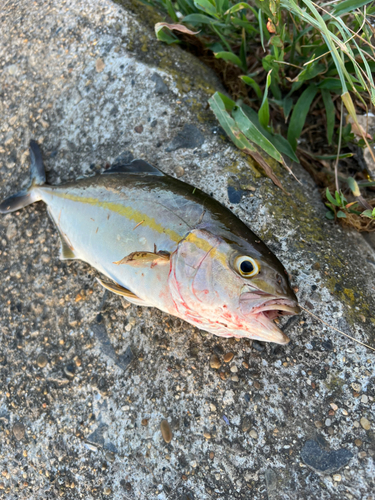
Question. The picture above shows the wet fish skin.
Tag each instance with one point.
(166, 244)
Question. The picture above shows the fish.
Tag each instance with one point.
(160, 242)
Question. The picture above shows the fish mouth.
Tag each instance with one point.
(264, 309)
(278, 307)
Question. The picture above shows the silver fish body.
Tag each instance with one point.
(167, 244)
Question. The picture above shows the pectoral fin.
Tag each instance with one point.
(138, 259)
(124, 292)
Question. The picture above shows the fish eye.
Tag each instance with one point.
(246, 266)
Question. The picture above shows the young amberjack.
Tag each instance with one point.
(166, 244)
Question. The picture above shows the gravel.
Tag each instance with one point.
(79, 77)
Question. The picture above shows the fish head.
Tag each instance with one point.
(231, 288)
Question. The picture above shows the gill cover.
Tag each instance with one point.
(197, 277)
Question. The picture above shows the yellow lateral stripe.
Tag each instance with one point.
(124, 211)
(207, 247)
(139, 217)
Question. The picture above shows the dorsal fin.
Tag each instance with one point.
(135, 167)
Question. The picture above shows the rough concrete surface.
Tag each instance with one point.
(87, 379)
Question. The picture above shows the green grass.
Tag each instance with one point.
(293, 57)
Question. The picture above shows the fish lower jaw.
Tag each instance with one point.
(258, 327)
(269, 331)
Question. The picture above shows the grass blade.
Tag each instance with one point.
(252, 83)
(200, 19)
(260, 21)
(241, 6)
(330, 113)
(298, 118)
(234, 133)
(206, 6)
(171, 10)
(229, 56)
(280, 143)
(348, 6)
(254, 135)
(264, 110)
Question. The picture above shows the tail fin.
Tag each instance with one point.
(38, 178)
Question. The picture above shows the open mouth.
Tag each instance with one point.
(277, 307)
(264, 309)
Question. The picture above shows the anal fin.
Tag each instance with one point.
(124, 292)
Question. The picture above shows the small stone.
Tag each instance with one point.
(41, 360)
(223, 375)
(364, 399)
(322, 460)
(99, 65)
(107, 491)
(358, 443)
(257, 385)
(43, 123)
(356, 387)
(70, 370)
(144, 422)
(245, 365)
(271, 482)
(138, 129)
(327, 422)
(318, 424)
(91, 447)
(212, 407)
(45, 258)
(215, 362)
(207, 435)
(160, 85)
(356, 424)
(365, 424)
(362, 454)
(110, 456)
(179, 171)
(337, 477)
(212, 455)
(166, 431)
(18, 431)
(234, 369)
(334, 406)
(246, 424)
(189, 137)
(125, 485)
(253, 434)
(235, 378)
(13, 69)
(228, 357)
(11, 231)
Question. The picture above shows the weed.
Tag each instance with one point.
(299, 62)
